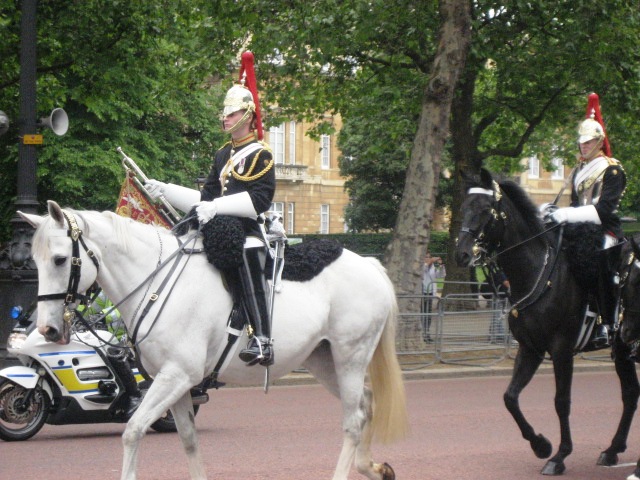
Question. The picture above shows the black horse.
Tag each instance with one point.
(548, 306)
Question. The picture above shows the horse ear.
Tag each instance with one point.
(469, 180)
(33, 220)
(486, 179)
(55, 211)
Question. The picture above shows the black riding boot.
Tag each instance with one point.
(124, 372)
(608, 295)
(253, 289)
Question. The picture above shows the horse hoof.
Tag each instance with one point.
(387, 472)
(634, 475)
(541, 446)
(553, 468)
(607, 459)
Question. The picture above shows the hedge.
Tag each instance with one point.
(375, 243)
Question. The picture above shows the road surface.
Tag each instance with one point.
(459, 430)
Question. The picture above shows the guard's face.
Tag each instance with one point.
(587, 147)
(230, 120)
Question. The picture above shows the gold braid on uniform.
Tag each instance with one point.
(248, 177)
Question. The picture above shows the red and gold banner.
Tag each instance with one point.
(134, 204)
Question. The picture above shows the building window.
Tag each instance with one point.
(292, 143)
(291, 210)
(534, 167)
(277, 209)
(276, 141)
(325, 147)
(324, 218)
(558, 172)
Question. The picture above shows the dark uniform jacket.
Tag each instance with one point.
(254, 174)
(604, 191)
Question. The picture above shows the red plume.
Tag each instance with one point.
(248, 78)
(593, 111)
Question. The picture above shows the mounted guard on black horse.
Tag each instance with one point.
(562, 264)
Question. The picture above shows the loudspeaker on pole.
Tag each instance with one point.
(58, 121)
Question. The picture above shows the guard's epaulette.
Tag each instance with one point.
(613, 161)
(265, 145)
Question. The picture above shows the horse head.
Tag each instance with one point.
(64, 270)
(481, 218)
(630, 294)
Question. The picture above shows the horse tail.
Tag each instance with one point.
(390, 421)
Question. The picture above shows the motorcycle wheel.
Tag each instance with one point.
(19, 422)
(166, 423)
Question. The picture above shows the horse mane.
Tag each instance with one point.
(523, 204)
(121, 226)
(583, 240)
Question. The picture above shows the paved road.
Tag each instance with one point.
(460, 430)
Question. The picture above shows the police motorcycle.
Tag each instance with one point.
(65, 384)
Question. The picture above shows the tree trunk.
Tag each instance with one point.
(464, 157)
(404, 256)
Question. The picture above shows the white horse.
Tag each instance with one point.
(339, 325)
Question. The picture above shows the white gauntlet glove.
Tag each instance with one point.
(206, 211)
(180, 197)
(237, 205)
(154, 188)
(588, 213)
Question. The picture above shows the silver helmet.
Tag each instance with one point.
(590, 129)
(238, 98)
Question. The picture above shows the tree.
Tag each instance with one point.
(526, 77)
(334, 56)
(140, 75)
(509, 95)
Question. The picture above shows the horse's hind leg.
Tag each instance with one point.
(526, 364)
(356, 416)
(626, 370)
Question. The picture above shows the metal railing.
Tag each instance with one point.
(468, 329)
(463, 329)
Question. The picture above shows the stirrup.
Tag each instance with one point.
(256, 352)
(601, 337)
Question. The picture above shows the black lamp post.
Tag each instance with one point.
(18, 276)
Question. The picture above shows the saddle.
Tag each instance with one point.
(223, 240)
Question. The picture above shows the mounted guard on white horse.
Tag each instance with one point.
(335, 313)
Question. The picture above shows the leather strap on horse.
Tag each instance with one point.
(154, 296)
(234, 329)
(543, 280)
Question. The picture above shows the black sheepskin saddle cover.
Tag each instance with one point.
(303, 261)
(223, 241)
(582, 242)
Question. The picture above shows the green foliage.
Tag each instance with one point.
(531, 67)
(137, 75)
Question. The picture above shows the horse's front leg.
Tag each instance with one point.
(626, 370)
(526, 364)
(563, 373)
(167, 389)
(185, 422)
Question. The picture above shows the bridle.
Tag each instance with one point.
(498, 217)
(481, 247)
(71, 295)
